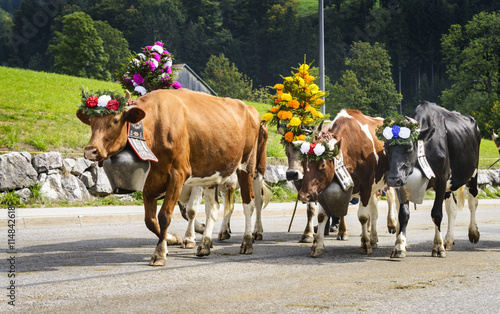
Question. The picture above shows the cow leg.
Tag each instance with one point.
(364, 219)
(194, 200)
(228, 202)
(372, 207)
(437, 216)
(391, 211)
(342, 232)
(399, 250)
(451, 211)
(318, 247)
(308, 235)
(247, 195)
(183, 203)
(259, 202)
(473, 230)
(211, 209)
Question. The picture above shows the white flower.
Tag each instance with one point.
(142, 56)
(157, 48)
(404, 132)
(135, 84)
(387, 133)
(155, 63)
(304, 148)
(141, 90)
(168, 63)
(135, 62)
(319, 149)
(103, 100)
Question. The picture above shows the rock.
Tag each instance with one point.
(275, 174)
(102, 185)
(87, 179)
(68, 164)
(51, 187)
(74, 189)
(47, 161)
(16, 171)
(81, 165)
(24, 194)
(67, 188)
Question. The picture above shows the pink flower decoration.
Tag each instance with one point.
(169, 70)
(176, 85)
(138, 79)
(156, 56)
(159, 43)
(149, 64)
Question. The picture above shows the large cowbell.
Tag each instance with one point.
(126, 171)
(334, 194)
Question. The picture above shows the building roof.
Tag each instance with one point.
(190, 80)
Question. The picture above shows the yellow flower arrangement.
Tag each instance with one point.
(296, 104)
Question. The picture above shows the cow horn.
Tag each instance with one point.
(307, 131)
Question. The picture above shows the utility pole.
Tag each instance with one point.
(322, 51)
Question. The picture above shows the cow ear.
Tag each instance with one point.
(134, 115)
(426, 134)
(333, 144)
(83, 117)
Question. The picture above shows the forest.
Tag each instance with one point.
(381, 55)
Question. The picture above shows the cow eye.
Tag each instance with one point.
(322, 165)
(116, 121)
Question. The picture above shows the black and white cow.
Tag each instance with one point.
(451, 147)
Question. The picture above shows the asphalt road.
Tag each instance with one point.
(103, 267)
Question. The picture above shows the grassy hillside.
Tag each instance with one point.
(37, 114)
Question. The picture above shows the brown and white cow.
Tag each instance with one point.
(363, 154)
(199, 140)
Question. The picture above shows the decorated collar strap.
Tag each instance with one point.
(398, 131)
(100, 103)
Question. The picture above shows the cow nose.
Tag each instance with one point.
(395, 182)
(308, 197)
(91, 153)
(293, 175)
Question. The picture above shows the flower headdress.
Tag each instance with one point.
(296, 104)
(317, 151)
(398, 131)
(101, 103)
(147, 71)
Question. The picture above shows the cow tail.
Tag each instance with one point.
(266, 193)
(460, 197)
(262, 149)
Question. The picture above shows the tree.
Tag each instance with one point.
(115, 46)
(225, 79)
(472, 55)
(5, 33)
(367, 83)
(78, 49)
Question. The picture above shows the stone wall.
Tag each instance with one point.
(79, 179)
(69, 179)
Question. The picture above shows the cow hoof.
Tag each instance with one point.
(306, 239)
(189, 244)
(342, 236)
(247, 245)
(439, 253)
(448, 246)
(157, 261)
(174, 239)
(398, 253)
(473, 236)
(391, 229)
(223, 235)
(317, 252)
(257, 236)
(204, 247)
(366, 250)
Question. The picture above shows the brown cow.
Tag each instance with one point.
(364, 157)
(199, 140)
